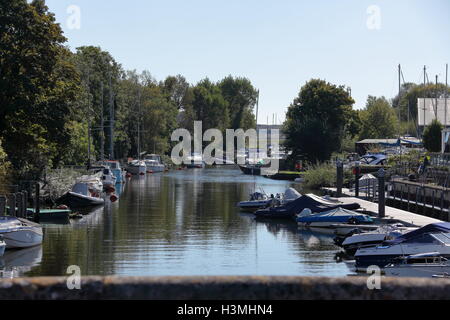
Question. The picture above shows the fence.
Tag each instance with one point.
(16, 204)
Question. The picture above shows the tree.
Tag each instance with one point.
(241, 97)
(378, 119)
(432, 136)
(317, 120)
(209, 106)
(38, 86)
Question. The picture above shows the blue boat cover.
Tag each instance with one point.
(335, 215)
(430, 228)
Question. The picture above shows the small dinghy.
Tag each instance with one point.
(257, 201)
(83, 194)
(308, 218)
(20, 233)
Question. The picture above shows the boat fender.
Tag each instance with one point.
(113, 198)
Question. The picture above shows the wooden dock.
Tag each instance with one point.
(391, 213)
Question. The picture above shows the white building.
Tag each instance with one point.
(429, 109)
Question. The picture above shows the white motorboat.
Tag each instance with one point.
(419, 265)
(434, 237)
(108, 179)
(194, 161)
(20, 233)
(372, 238)
(137, 167)
(154, 163)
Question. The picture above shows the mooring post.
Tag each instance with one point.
(12, 204)
(2, 205)
(25, 203)
(19, 202)
(37, 205)
(381, 194)
(339, 177)
(356, 171)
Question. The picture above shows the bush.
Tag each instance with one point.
(320, 175)
(432, 136)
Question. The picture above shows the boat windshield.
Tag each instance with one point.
(443, 237)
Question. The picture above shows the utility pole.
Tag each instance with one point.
(399, 91)
(89, 121)
(257, 109)
(424, 105)
(437, 94)
(445, 94)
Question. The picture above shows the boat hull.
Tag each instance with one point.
(423, 271)
(156, 168)
(23, 237)
(137, 170)
(76, 200)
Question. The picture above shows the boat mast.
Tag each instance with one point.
(89, 120)
(139, 124)
(111, 120)
(424, 106)
(102, 124)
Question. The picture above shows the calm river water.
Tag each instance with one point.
(180, 223)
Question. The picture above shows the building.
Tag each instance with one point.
(361, 147)
(429, 109)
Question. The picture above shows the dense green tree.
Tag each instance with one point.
(241, 97)
(38, 86)
(318, 120)
(210, 106)
(432, 136)
(378, 119)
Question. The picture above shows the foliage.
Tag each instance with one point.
(432, 136)
(318, 119)
(378, 119)
(38, 85)
(320, 175)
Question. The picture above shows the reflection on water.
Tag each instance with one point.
(15, 263)
(186, 223)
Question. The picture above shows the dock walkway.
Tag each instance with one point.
(390, 212)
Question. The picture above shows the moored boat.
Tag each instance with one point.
(116, 169)
(86, 192)
(419, 265)
(434, 237)
(311, 201)
(20, 233)
(154, 163)
(137, 167)
(326, 219)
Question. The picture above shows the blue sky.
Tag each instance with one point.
(278, 45)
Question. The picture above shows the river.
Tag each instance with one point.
(180, 223)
